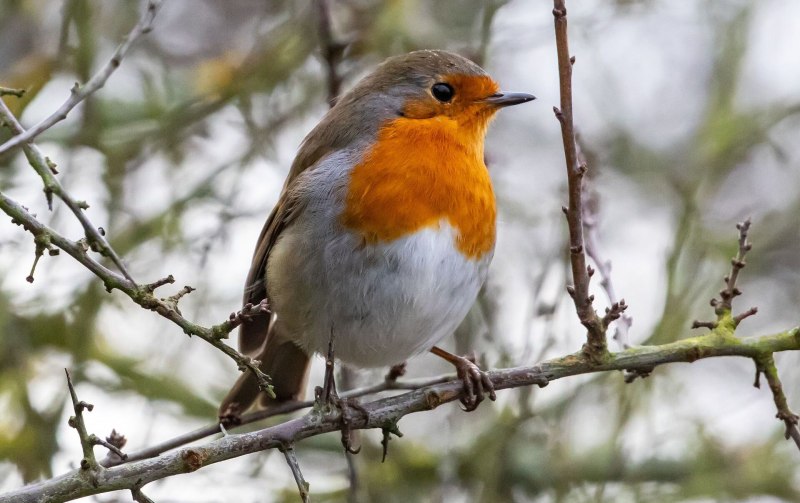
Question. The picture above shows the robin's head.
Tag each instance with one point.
(428, 84)
(421, 85)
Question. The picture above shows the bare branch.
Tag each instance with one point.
(291, 460)
(46, 170)
(80, 93)
(141, 295)
(386, 410)
(596, 334)
(766, 365)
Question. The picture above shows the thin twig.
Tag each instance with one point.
(766, 365)
(291, 460)
(331, 50)
(46, 170)
(596, 341)
(87, 445)
(381, 411)
(723, 308)
(79, 93)
(141, 295)
(591, 216)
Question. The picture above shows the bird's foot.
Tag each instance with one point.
(349, 411)
(476, 383)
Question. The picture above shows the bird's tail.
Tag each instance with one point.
(282, 360)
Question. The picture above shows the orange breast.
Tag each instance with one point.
(419, 172)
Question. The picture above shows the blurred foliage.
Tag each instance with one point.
(201, 111)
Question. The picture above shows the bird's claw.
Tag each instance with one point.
(476, 384)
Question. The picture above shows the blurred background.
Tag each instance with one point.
(689, 114)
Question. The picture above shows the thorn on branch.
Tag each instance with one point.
(746, 314)
(389, 428)
(139, 496)
(630, 375)
(53, 167)
(711, 325)
(559, 114)
(151, 287)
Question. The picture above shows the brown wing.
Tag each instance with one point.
(253, 331)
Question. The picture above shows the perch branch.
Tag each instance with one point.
(384, 411)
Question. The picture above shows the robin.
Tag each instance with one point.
(383, 233)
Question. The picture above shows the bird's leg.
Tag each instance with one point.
(327, 395)
(476, 382)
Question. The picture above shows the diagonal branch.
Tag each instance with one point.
(143, 295)
(384, 411)
(46, 170)
(80, 93)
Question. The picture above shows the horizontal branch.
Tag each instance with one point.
(385, 412)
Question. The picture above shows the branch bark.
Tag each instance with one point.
(387, 411)
(596, 345)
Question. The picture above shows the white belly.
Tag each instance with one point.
(383, 303)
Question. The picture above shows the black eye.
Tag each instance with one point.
(442, 92)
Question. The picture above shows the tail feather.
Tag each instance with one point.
(284, 362)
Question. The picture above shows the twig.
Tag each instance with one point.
(331, 50)
(88, 462)
(291, 460)
(10, 91)
(723, 307)
(766, 365)
(141, 295)
(46, 170)
(596, 345)
(139, 496)
(79, 93)
(72, 485)
(591, 217)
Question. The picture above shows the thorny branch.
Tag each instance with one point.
(79, 93)
(390, 410)
(143, 295)
(88, 441)
(596, 345)
(47, 169)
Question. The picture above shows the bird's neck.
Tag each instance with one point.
(418, 173)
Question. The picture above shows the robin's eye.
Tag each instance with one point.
(442, 92)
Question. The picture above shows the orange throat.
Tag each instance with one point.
(418, 173)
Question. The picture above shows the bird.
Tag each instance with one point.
(383, 232)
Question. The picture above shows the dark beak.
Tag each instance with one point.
(507, 99)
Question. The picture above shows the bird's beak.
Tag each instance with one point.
(500, 100)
